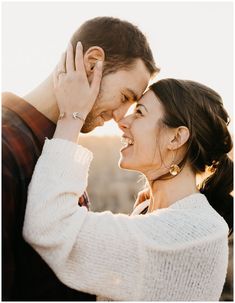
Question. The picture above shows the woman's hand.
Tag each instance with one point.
(75, 95)
(142, 196)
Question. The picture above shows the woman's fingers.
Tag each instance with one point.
(79, 63)
(95, 84)
(70, 58)
(73, 90)
(80, 69)
(60, 69)
(142, 196)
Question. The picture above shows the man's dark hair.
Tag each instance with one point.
(121, 41)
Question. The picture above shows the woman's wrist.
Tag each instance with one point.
(68, 128)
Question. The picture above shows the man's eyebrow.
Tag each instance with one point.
(133, 94)
(140, 104)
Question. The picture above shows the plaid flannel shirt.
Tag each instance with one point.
(25, 276)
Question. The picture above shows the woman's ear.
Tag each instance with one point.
(91, 56)
(179, 137)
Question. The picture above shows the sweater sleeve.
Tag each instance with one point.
(99, 253)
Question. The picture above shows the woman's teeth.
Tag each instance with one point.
(126, 141)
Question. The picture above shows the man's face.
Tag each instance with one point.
(118, 92)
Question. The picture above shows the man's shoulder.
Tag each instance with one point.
(10, 117)
(8, 98)
(23, 121)
(15, 130)
(19, 145)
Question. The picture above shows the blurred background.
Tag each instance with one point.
(189, 40)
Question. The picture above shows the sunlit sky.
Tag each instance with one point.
(189, 40)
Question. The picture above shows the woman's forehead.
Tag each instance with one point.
(149, 98)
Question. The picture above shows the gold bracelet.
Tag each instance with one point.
(75, 115)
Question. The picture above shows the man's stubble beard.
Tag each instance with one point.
(89, 124)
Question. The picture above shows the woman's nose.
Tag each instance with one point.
(125, 122)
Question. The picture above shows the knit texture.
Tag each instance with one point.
(179, 253)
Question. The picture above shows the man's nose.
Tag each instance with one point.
(116, 116)
(119, 113)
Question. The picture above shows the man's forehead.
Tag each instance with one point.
(137, 74)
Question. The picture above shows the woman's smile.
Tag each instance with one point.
(127, 143)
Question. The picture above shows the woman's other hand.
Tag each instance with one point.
(71, 86)
(75, 95)
(142, 196)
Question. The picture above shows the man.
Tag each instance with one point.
(128, 66)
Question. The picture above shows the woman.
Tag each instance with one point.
(177, 250)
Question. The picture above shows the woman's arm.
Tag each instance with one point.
(98, 253)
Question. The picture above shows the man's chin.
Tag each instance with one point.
(87, 128)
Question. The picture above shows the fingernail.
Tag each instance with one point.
(79, 44)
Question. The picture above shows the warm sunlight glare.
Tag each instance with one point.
(186, 38)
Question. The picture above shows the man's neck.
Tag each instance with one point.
(44, 100)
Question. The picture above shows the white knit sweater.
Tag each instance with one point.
(179, 253)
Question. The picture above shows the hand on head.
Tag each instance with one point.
(72, 89)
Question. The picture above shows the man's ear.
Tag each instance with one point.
(91, 56)
(179, 137)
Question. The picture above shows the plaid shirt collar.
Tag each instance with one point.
(40, 125)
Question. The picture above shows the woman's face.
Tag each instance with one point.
(145, 138)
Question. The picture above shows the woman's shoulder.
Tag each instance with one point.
(184, 222)
(187, 221)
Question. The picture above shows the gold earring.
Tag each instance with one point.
(174, 169)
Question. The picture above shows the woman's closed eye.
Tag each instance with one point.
(138, 113)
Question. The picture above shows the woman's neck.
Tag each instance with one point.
(44, 100)
(166, 192)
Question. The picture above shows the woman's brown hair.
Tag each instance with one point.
(200, 109)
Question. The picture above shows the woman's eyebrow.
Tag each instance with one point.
(140, 104)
